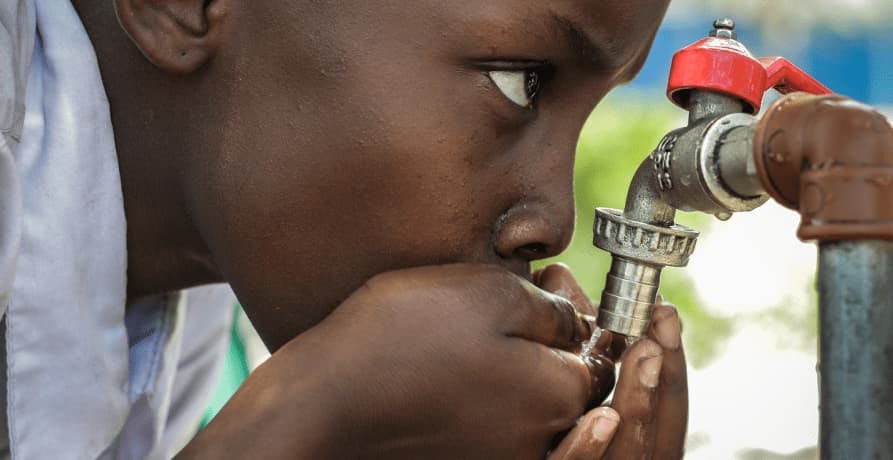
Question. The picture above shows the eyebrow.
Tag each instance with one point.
(593, 50)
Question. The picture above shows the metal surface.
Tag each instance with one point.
(645, 201)
(830, 159)
(628, 297)
(640, 242)
(681, 173)
(701, 162)
(736, 165)
(856, 353)
(705, 105)
(724, 28)
(690, 191)
(662, 159)
(718, 150)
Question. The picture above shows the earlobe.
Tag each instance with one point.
(178, 36)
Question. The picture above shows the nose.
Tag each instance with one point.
(534, 231)
(541, 223)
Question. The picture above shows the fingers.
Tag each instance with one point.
(652, 399)
(615, 345)
(671, 415)
(601, 371)
(558, 279)
(652, 395)
(590, 438)
(549, 319)
(635, 399)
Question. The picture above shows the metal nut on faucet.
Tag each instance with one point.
(641, 242)
(640, 251)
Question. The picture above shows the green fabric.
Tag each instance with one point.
(235, 371)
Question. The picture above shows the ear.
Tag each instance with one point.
(178, 36)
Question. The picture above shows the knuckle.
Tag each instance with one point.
(640, 415)
(664, 312)
(643, 348)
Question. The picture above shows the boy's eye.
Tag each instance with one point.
(519, 86)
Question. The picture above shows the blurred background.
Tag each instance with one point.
(747, 299)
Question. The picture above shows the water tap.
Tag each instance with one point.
(706, 166)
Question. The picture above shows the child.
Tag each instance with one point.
(373, 180)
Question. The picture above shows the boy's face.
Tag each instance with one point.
(357, 137)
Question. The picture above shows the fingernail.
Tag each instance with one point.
(605, 425)
(649, 371)
(667, 332)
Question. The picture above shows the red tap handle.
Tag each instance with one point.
(726, 66)
(786, 78)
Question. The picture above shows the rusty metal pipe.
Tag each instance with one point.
(831, 160)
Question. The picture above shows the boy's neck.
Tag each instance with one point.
(165, 252)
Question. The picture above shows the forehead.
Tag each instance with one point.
(613, 31)
(620, 25)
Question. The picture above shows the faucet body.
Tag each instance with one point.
(826, 157)
(706, 166)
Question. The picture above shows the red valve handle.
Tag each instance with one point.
(786, 78)
(725, 65)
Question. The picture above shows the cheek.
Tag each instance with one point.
(322, 196)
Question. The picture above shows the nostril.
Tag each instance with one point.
(532, 232)
(532, 251)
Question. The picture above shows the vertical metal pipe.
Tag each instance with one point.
(856, 349)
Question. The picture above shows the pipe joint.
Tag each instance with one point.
(830, 159)
(710, 167)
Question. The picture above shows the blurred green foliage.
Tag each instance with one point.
(619, 134)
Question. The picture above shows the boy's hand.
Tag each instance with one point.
(461, 361)
(457, 361)
(651, 412)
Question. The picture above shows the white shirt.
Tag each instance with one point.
(84, 379)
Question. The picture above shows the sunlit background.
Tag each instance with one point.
(747, 299)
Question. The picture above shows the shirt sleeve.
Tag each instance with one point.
(16, 48)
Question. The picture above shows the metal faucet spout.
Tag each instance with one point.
(684, 172)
